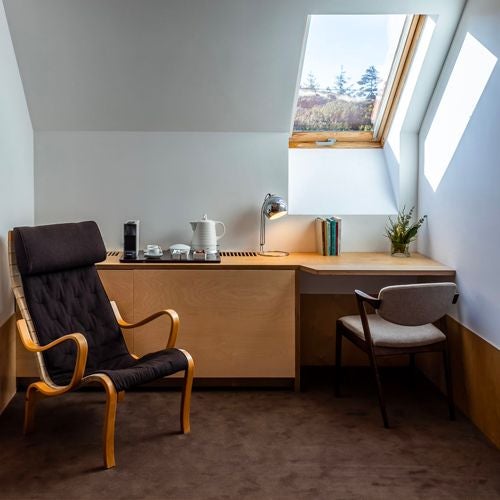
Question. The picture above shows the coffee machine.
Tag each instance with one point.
(131, 239)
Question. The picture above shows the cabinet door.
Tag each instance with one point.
(235, 323)
(119, 286)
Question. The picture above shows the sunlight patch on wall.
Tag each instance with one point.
(466, 84)
(410, 84)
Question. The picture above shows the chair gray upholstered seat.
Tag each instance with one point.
(402, 325)
(387, 334)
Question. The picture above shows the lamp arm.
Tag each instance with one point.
(263, 223)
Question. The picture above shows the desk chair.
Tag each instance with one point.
(403, 324)
(75, 332)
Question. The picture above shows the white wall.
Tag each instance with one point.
(168, 179)
(339, 181)
(464, 211)
(16, 158)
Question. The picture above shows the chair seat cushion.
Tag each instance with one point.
(386, 334)
(148, 368)
(129, 372)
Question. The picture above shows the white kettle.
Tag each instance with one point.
(205, 235)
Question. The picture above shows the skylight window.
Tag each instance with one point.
(352, 72)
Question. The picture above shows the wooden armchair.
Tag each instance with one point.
(403, 324)
(73, 329)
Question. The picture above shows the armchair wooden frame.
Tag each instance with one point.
(374, 352)
(47, 388)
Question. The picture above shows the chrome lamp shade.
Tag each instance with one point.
(274, 206)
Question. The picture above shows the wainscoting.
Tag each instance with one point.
(476, 377)
(7, 362)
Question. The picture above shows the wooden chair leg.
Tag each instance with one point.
(338, 361)
(449, 385)
(121, 396)
(109, 422)
(31, 398)
(186, 394)
(381, 399)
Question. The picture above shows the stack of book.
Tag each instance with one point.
(328, 235)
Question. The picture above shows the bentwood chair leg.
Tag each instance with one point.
(31, 398)
(338, 361)
(186, 394)
(449, 385)
(109, 423)
(381, 399)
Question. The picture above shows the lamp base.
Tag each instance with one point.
(274, 253)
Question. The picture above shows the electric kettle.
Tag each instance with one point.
(205, 235)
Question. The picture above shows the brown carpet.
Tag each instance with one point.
(258, 444)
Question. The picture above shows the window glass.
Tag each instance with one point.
(347, 64)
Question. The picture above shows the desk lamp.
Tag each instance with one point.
(274, 206)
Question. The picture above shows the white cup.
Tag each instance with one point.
(153, 250)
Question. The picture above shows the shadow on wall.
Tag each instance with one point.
(6, 303)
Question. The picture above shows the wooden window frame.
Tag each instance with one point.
(354, 139)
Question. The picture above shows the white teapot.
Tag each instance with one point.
(205, 235)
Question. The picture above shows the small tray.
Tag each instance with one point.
(168, 258)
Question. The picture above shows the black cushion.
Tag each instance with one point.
(44, 249)
(73, 300)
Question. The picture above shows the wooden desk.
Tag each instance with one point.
(352, 264)
(240, 319)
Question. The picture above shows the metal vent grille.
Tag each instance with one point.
(113, 253)
(238, 254)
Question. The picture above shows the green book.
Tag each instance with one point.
(333, 235)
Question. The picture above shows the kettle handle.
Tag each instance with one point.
(219, 236)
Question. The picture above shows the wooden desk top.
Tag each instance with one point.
(351, 264)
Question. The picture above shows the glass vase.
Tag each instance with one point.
(400, 249)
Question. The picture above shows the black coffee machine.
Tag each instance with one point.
(131, 239)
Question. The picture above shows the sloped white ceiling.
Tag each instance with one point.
(169, 65)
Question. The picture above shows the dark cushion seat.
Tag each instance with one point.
(65, 295)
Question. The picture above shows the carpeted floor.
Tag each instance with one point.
(262, 444)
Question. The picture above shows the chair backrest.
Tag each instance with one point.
(16, 284)
(414, 305)
(60, 292)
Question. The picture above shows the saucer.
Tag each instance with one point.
(153, 256)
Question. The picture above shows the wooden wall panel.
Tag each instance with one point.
(235, 323)
(7, 362)
(119, 286)
(476, 377)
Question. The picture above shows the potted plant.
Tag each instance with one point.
(401, 232)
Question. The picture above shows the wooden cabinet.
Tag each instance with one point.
(235, 323)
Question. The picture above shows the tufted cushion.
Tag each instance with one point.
(63, 300)
(386, 334)
(150, 367)
(73, 301)
(44, 249)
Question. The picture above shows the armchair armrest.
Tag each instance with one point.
(81, 355)
(364, 297)
(174, 328)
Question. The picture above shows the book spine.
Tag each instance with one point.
(319, 235)
(327, 237)
(334, 236)
(339, 235)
